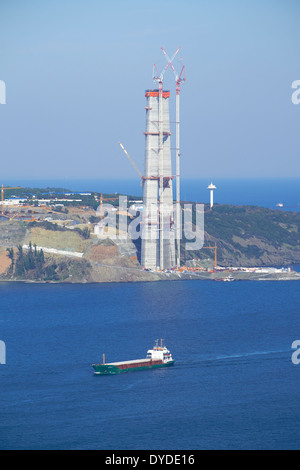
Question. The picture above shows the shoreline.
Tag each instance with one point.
(250, 244)
(215, 277)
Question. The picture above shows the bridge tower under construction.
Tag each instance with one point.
(158, 231)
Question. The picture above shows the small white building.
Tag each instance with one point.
(14, 202)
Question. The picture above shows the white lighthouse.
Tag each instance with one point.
(211, 187)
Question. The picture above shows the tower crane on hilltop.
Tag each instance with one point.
(215, 248)
(101, 203)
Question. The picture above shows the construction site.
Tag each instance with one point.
(72, 229)
(161, 224)
(161, 232)
(75, 250)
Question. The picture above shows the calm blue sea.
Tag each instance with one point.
(258, 192)
(233, 385)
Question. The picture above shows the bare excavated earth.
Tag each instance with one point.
(60, 240)
(4, 261)
(102, 260)
(245, 236)
(12, 233)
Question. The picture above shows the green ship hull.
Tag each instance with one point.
(111, 369)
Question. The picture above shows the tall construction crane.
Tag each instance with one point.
(215, 248)
(2, 195)
(179, 78)
(101, 204)
(159, 78)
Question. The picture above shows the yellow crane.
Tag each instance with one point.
(101, 204)
(2, 195)
(213, 247)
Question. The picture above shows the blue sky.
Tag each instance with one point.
(76, 72)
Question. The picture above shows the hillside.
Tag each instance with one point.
(245, 236)
(251, 236)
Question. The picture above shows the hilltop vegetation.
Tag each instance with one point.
(249, 236)
(31, 264)
(245, 236)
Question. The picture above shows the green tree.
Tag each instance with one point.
(11, 255)
(20, 265)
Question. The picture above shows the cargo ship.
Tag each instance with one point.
(159, 356)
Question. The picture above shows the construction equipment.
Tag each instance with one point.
(179, 78)
(158, 244)
(2, 195)
(130, 159)
(108, 198)
(101, 204)
(144, 178)
(211, 247)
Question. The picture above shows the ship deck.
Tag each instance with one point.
(136, 361)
